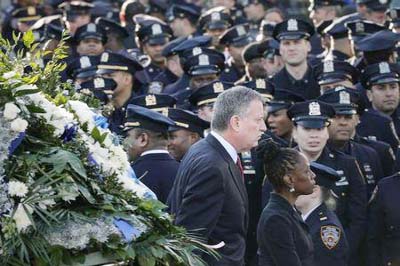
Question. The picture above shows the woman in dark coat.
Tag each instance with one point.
(283, 237)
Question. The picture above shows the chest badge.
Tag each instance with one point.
(330, 236)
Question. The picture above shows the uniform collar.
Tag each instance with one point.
(157, 151)
(306, 215)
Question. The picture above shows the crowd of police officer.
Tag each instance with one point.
(330, 84)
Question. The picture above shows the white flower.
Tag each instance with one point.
(11, 111)
(21, 218)
(17, 188)
(9, 74)
(19, 125)
(26, 87)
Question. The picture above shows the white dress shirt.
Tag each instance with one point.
(227, 146)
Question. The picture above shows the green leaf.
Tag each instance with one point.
(146, 261)
(35, 109)
(28, 39)
(61, 159)
(98, 136)
(25, 92)
(130, 252)
(85, 193)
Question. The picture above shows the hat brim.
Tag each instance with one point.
(330, 80)
(313, 122)
(272, 108)
(240, 42)
(92, 36)
(203, 70)
(383, 80)
(157, 40)
(293, 36)
(217, 25)
(86, 74)
(105, 71)
(345, 110)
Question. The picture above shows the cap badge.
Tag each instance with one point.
(196, 51)
(218, 87)
(292, 25)
(240, 30)
(344, 97)
(328, 66)
(393, 13)
(31, 10)
(85, 62)
(260, 84)
(359, 27)
(156, 29)
(150, 100)
(314, 109)
(215, 16)
(383, 2)
(104, 57)
(91, 27)
(204, 60)
(99, 83)
(384, 68)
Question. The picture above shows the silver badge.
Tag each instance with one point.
(383, 2)
(359, 27)
(99, 83)
(155, 87)
(393, 13)
(204, 60)
(344, 97)
(384, 68)
(328, 66)
(85, 62)
(292, 25)
(104, 57)
(218, 87)
(150, 100)
(260, 84)
(330, 236)
(156, 29)
(196, 51)
(215, 16)
(91, 27)
(240, 30)
(314, 109)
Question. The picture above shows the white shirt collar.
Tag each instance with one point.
(228, 147)
(305, 216)
(154, 152)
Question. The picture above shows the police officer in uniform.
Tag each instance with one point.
(82, 68)
(146, 144)
(182, 18)
(253, 57)
(152, 37)
(116, 34)
(293, 35)
(90, 40)
(235, 39)
(100, 88)
(347, 106)
(381, 81)
(188, 129)
(203, 99)
(384, 224)
(188, 43)
(311, 119)
(329, 239)
(122, 70)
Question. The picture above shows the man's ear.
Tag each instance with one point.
(143, 139)
(234, 123)
(308, 46)
(294, 133)
(369, 95)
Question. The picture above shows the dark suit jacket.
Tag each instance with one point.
(209, 194)
(161, 171)
(283, 237)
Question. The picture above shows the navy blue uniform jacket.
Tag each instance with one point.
(283, 237)
(158, 171)
(209, 194)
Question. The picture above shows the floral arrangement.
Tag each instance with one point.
(68, 195)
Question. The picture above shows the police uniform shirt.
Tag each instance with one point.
(231, 73)
(384, 224)
(368, 161)
(330, 243)
(385, 153)
(374, 124)
(351, 195)
(163, 79)
(306, 86)
(181, 84)
(153, 71)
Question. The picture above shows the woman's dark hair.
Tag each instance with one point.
(277, 161)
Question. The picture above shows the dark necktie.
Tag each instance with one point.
(239, 165)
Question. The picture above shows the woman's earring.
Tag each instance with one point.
(291, 190)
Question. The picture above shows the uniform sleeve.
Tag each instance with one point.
(277, 236)
(388, 162)
(330, 246)
(375, 230)
(202, 199)
(357, 209)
